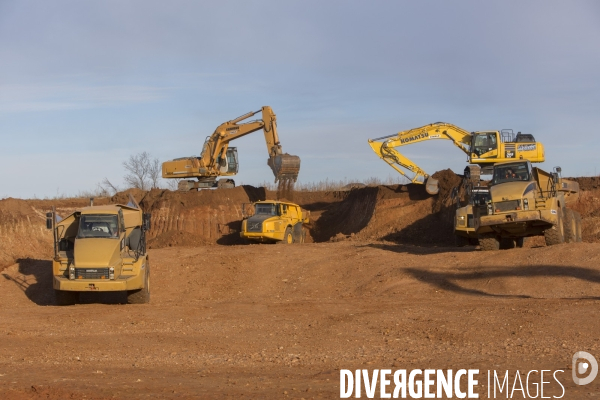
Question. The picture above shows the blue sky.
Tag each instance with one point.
(83, 85)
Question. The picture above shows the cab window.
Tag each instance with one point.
(98, 226)
(265, 209)
(485, 142)
(511, 172)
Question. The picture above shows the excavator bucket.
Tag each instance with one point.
(431, 186)
(285, 167)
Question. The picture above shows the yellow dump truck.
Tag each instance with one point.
(526, 201)
(273, 221)
(101, 249)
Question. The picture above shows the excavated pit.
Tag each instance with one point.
(398, 213)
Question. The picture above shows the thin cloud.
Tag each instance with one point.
(61, 97)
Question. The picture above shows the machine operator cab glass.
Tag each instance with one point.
(484, 142)
(266, 209)
(480, 196)
(512, 172)
(99, 226)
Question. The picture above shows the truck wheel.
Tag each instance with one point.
(556, 234)
(519, 242)
(298, 233)
(141, 296)
(507, 243)
(578, 235)
(288, 237)
(66, 298)
(570, 224)
(489, 242)
(461, 241)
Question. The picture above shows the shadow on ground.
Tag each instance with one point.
(34, 278)
(453, 281)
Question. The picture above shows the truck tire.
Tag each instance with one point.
(570, 224)
(489, 242)
(461, 241)
(288, 236)
(298, 233)
(141, 296)
(474, 242)
(578, 234)
(507, 243)
(66, 298)
(519, 242)
(556, 234)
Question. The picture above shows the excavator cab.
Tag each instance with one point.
(484, 142)
(229, 165)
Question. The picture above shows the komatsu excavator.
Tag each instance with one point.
(483, 149)
(218, 159)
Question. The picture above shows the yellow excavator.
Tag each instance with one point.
(483, 149)
(219, 159)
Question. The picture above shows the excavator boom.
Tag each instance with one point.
(484, 149)
(218, 159)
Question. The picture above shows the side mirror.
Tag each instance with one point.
(555, 177)
(49, 220)
(146, 223)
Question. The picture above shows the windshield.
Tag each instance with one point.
(266, 209)
(484, 142)
(98, 226)
(510, 172)
(480, 197)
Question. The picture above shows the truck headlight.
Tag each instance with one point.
(72, 272)
(461, 220)
(525, 204)
(490, 209)
(111, 273)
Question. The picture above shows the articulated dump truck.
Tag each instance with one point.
(525, 201)
(273, 221)
(101, 249)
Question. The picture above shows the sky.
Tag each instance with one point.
(84, 85)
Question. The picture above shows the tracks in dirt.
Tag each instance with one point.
(245, 321)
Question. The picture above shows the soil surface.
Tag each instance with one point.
(280, 321)
(378, 286)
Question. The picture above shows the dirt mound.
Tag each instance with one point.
(403, 214)
(22, 231)
(447, 181)
(206, 216)
(398, 213)
(587, 182)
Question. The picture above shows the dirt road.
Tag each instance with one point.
(276, 321)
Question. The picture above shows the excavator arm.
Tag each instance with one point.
(385, 148)
(217, 159)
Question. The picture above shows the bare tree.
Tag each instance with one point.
(107, 187)
(154, 172)
(142, 171)
(173, 184)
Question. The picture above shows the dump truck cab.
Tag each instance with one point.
(526, 201)
(274, 221)
(101, 249)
